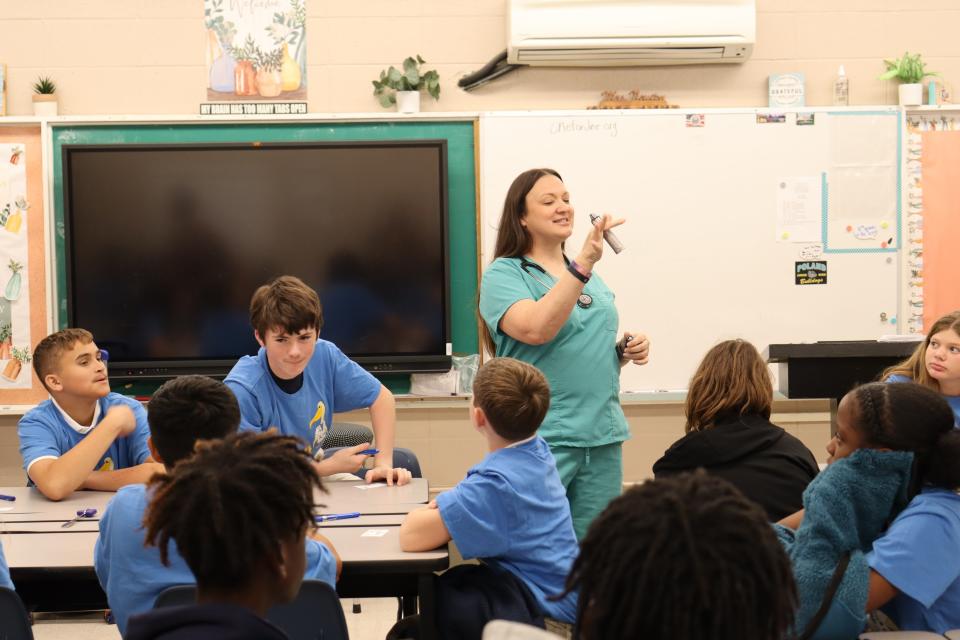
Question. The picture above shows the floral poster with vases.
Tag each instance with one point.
(256, 50)
(14, 294)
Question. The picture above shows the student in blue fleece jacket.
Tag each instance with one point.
(895, 444)
(183, 412)
(259, 487)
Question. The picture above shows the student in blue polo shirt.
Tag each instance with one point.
(511, 510)
(239, 511)
(296, 382)
(84, 436)
(184, 411)
(4, 571)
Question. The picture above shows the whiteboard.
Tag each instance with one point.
(708, 256)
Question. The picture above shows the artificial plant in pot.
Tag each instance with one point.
(44, 97)
(403, 88)
(910, 70)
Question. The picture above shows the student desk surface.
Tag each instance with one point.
(53, 566)
(342, 497)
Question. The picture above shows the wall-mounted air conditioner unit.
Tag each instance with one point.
(630, 32)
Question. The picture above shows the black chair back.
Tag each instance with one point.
(14, 621)
(315, 614)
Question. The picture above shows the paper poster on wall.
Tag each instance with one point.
(862, 208)
(799, 209)
(14, 295)
(256, 50)
(810, 272)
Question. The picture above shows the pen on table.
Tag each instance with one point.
(8, 498)
(337, 516)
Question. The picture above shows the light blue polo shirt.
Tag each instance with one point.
(512, 511)
(132, 574)
(4, 571)
(953, 401)
(920, 555)
(45, 433)
(332, 383)
(580, 363)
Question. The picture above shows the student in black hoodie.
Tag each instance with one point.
(238, 511)
(729, 432)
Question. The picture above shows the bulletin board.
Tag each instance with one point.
(933, 215)
(773, 227)
(23, 291)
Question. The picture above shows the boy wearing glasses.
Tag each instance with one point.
(84, 436)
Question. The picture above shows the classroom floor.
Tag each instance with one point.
(372, 623)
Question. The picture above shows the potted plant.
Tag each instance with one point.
(44, 97)
(403, 87)
(910, 70)
(19, 357)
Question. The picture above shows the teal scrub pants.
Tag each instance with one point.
(592, 476)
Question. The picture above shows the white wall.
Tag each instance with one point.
(147, 56)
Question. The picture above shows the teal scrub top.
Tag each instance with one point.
(580, 363)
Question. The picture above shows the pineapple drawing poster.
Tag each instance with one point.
(256, 50)
(14, 296)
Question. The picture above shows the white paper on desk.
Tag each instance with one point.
(374, 533)
(6, 508)
(799, 209)
(372, 485)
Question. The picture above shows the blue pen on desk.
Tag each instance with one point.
(337, 516)
(8, 498)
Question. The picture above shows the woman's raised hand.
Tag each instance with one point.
(593, 246)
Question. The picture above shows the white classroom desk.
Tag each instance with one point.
(32, 506)
(53, 566)
(355, 545)
(342, 497)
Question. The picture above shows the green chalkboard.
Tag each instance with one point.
(461, 188)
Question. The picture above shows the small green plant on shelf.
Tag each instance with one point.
(44, 86)
(412, 78)
(910, 69)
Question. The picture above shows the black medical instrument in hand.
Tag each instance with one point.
(585, 299)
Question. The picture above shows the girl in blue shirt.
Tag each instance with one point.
(935, 363)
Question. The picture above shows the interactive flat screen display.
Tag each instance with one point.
(166, 244)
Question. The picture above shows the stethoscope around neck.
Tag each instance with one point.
(583, 301)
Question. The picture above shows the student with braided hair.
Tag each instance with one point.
(678, 558)
(894, 465)
(183, 412)
(239, 511)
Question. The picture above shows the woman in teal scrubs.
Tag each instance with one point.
(540, 307)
